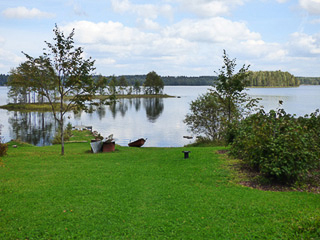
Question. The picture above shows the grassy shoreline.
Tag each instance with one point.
(46, 107)
(41, 107)
(142, 193)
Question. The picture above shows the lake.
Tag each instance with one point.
(159, 120)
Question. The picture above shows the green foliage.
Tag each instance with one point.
(3, 149)
(137, 87)
(153, 83)
(3, 146)
(309, 80)
(230, 86)
(307, 228)
(112, 88)
(212, 113)
(272, 79)
(102, 83)
(67, 134)
(279, 145)
(59, 73)
(205, 117)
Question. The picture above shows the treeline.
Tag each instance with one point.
(256, 79)
(174, 81)
(3, 79)
(309, 80)
(272, 79)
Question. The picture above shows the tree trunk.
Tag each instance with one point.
(62, 134)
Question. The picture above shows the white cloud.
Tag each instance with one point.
(187, 46)
(210, 8)
(109, 33)
(77, 9)
(2, 40)
(148, 24)
(24, 13)
(149, 11)
(304, 45)
(212, 30)
(259, 49)
(312, 6)
(8, 59)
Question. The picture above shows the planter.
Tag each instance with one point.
(108, 146)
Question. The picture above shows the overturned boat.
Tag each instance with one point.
(137, 143)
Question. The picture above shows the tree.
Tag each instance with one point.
(136, 87)
(112, 88)
(214, 113)
(205, 116)
(62, 73)
(230, 86)
(153, 83)
(123, 84)
(102, 83)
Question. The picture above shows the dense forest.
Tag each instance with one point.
(272, 79)
(174, 81)
(309, 80)
(3, 79)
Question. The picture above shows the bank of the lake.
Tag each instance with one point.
(141, 193)
(47, 107)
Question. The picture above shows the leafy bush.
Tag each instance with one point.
(279, 145)
(3, 146)
(3, 149)
(66, 134)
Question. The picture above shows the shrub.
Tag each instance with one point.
(3, 149)
(66, 134)
(279, 145)
(3, 146)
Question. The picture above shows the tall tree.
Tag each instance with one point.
(229, 86)
(123, 84)
(112, 88)
(213, 113)
(102, 83)
(62, 73)
(153, 83)
(136, 86)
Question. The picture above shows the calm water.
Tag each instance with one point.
(159, 120)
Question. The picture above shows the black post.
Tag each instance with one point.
(186, 154)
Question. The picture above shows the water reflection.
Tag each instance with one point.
(32, 127)
(154, 108)
(38, 128)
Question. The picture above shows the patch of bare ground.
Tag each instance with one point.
(247, 177)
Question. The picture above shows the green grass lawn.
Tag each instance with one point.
(146, 193)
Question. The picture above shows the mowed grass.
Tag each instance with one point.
(146, 193)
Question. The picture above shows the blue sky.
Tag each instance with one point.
(171, 37)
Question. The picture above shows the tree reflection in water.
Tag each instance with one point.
(154, 107)
(36, 128)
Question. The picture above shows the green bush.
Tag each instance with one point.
(67, 133)
(279, 145)
(3, 149)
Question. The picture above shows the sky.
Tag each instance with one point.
(170, 37)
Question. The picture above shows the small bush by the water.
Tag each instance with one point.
(3, 149)
(67, 134)
(279, 145)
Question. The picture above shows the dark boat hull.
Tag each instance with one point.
(137, 143)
